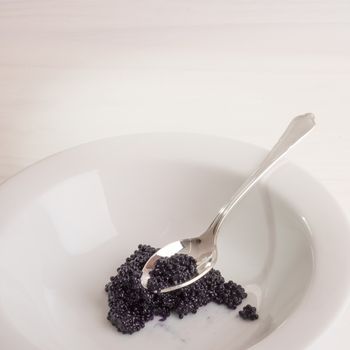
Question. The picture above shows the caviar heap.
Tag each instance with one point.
(171, 271)
(249, 313)
(131, 305)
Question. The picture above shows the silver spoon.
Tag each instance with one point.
(203, 248)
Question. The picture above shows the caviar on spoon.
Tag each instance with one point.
(203, 248)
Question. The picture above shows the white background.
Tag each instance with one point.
(75, 71)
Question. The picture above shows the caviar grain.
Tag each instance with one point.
(131, 305)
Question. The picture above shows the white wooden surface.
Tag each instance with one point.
(75, 71)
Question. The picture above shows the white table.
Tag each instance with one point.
(75, 71)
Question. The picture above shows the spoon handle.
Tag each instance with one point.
(296, 130)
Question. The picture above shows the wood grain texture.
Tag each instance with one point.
(76, 71)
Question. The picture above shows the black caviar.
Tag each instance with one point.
(131, 305)
(171, 271)
(249, 313)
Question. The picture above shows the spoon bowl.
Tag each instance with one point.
(200, 248)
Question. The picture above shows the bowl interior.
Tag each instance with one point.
(86, 215)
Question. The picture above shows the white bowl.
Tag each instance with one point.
(69, 221)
